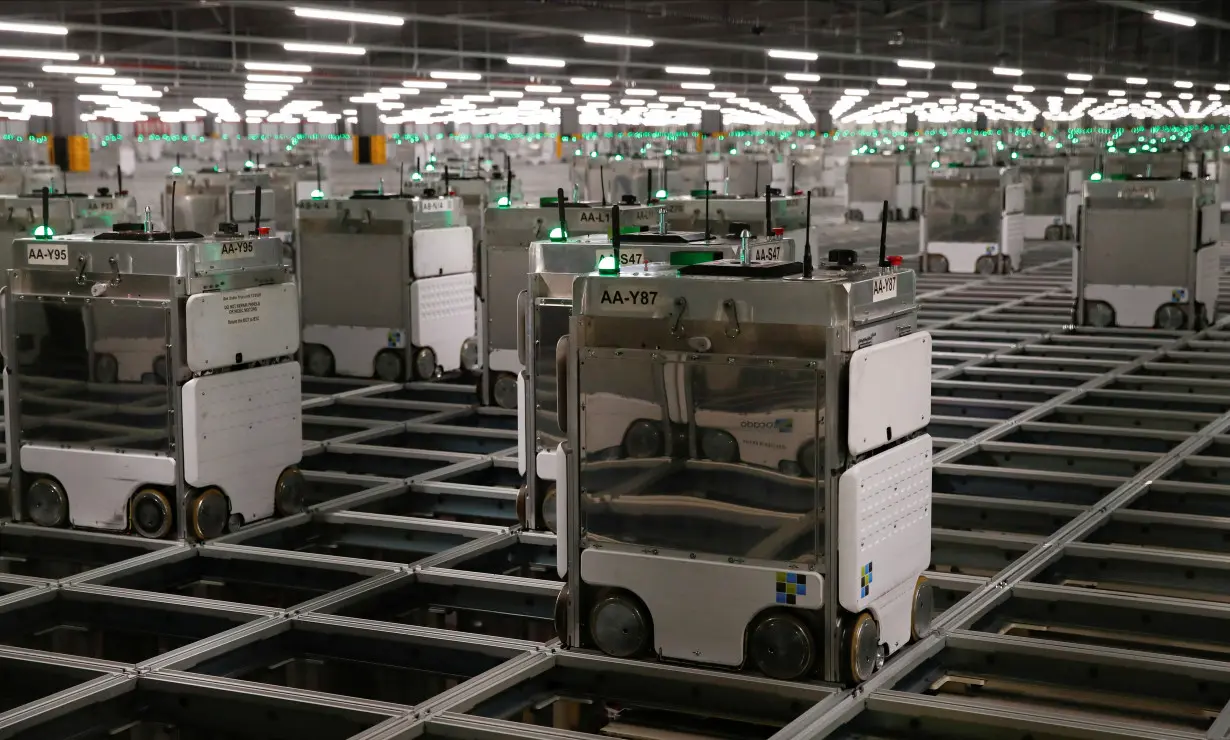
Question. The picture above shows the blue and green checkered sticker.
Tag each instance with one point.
(790, 585)
(865, 580)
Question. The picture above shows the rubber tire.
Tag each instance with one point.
(500, 389)
(1157, 318)
(162, 506)
(655, 443)
(1087, 319)
(987, 265)
(560, 615)
(389, 366)
(859, 663)
(547, 510)
(618, 599)
(935, 262)
(806, 646)
(205, 520)
(44, 512)
(711, 437)
(318, 361)
(922, 608)
(290, 492)
(106, 368)
(421, 359)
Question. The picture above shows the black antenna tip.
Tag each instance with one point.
(884, 235)
(807, 262)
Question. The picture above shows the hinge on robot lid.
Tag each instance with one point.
(675, 316)
(81, 263)
(732, 315)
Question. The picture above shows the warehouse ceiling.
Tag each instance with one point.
(188, 49)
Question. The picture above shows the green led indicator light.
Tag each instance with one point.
(430, 168)
(177, 170)
(249, 164)
(416, 177)
(593, 155)
(660, 194)
(576, 153)
(557, 234)
(935, 165)
(606, 265)
(43, 232)
(669, 152)
(619, 157)
(503, 202)
(318, 194)
(1096, 177)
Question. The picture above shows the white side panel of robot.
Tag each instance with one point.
(884, 530)
(1135, 305)
(446, 251)
(241, 326)
(962, 256)
(99, 483)
(241, 430)
(354, 348)
(442, 313)
(664, 583)
(1012, 238)
(887, 404)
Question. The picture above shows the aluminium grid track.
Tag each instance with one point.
(1078, 522)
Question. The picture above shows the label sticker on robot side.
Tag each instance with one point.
(41, 254)
(626, 256)
(767, 254)
(236, 250)
(432, 206)
(630, 300)
(883, 288)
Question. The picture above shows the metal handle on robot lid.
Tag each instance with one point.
(562, 348)
(732, 316)
(523, 300)
(81, 265)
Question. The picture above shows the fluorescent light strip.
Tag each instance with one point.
(536, 62)
(450, 75)
(857, 92)
(598, 38)
(698, 71)
(506, 94)
(275, 67)
(786, 89)
(915, 64)
(891, 82)
(354, 51)
(806, 56)
(802, 77)
(1175, 18)
(75, 70)
(274, 78)
(641, 91)
(347, 16)
(1079, 77)
(39, 28)
(561, 101)
(105, 80)
(1136, 81)
(964, 85)
(590, 81)
(1023, 88)
(696, 85)
(1007, 71)
(543, 88)
(57, 56)
(268, 86)
(595, 96)
(425, 84)
(1184, 84)
(1073, 91)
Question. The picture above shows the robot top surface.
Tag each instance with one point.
(1148, 193)
(373, 211)
(981, 175)
(133, 251)
(749, 294)
(584, 217)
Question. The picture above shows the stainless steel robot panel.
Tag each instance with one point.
(964, 210)
(1046, 189)
(872, 178)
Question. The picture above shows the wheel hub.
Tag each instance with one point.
(47, 503)
(644, 439)
(425, 363)
(209, 514)
(864, 648)
(504, 391)
(923, 610)
(291, 492)
(781, 647)
(1171, 317)
(618, 626)
(388, 366)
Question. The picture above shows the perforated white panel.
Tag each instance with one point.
(241, 429)
(890, 392)
(1013, 238)
(442, 316)
(446, 251)
(884, 522)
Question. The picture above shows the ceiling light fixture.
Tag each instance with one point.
(641, 91)
(697, 71)
(354, 51)
(1023, 88)
(561, 101)
(598, 38)
(347, 16)
(802, 77)
(1136, 81)
(1073, 91)
(1184, 84)
(915, 64)
(672, 98)
(590, 81)
(275, 67)
(1175, 18)
(543, 88)
(806, 56)
(696, 85)
(1116, 93)
(536, 62)
(425, 84)
(595, 96)
(274, 78)
(891, 82)
(1079, 77)
(857, 92)
(444, 74)
(964, 85)
(268, 86)
(105, 80)
(784, 89)
(39, 28)
(74, 70)
(57, 56)
(1007, 71)
(506, 94)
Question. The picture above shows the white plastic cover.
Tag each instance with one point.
(445, 251)
(442, 315)
(235, 326)
(890, 391)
